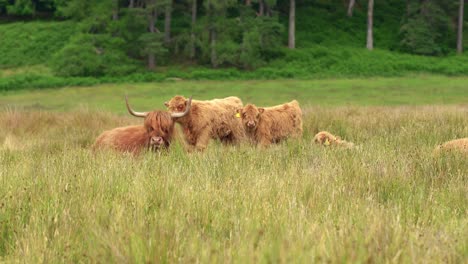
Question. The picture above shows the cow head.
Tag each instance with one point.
(179, 106)
(325, 138)
(159, 125)
(250, 115)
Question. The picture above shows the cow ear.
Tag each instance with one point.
(261, 110)
(238, 110)
(166, 104)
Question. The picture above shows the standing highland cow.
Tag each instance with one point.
(212, 119)
(272, 124)
(156, 133)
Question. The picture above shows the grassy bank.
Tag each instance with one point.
(416, 90)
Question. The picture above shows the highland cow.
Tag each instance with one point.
(457, 145)
(156, 133)
(272, 124)
(212, 119)
(327, 139)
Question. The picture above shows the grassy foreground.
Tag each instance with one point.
(411, 90)
(388, 201)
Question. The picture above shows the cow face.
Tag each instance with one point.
(178, 104)
(160, 127)
(250, 115)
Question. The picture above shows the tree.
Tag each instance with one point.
(292, 26)
(370, 14)
(192, 33)
(460, 27)
(351, 7)
(426, 29)
(152, 40)
(115, 10)
(261, 7)
(167, 22)
(216, 20)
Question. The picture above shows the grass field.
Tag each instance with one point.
(389, 200)
(413, 90)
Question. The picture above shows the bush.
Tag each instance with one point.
(32, 43)
(92, 55)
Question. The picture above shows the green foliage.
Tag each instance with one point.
(32, 42)
(329, 42)
(425, 29)
(27, 7)
(92, 55)
(21, 7)
(152, 43)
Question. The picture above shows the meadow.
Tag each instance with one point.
(390, 200)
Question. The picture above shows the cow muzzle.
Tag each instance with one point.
(156, 141)
(250, 124)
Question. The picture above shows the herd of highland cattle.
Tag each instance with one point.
(226, 120)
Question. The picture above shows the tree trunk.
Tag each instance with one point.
(267, 10)
(248, 2)
(214, 62)
(152, 29)
(167, 22)
(407, 7)
(115, 10)
(292, 26)
(261, 7)
(370, 14)
(351, 7)
(131, 4)
(460, 27)
(192, 36)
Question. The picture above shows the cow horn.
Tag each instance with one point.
(134, 113)
(187, 109)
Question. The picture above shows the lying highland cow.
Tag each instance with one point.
(456, 145)
(327, 139)
(212, 119)
(156, 133)
(272, 124)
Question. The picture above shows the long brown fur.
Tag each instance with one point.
(212, 119)
(157, 132)
(326, 138)
(457, 145)
(269, 125)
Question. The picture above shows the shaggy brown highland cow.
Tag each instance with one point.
(458, 145)
(212, 119)
(327, 139)
(272, 124)
(156, 133)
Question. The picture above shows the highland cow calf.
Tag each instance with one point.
(156, 133)
(212, 119)
(272, 124)
(457, 145)
(327, 139)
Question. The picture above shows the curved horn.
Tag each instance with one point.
(133, 113)
(187, 110)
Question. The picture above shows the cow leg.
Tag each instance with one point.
(264, 142)
(203, 140)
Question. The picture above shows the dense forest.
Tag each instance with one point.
(118, 37)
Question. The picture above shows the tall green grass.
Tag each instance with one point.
(389, 200)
